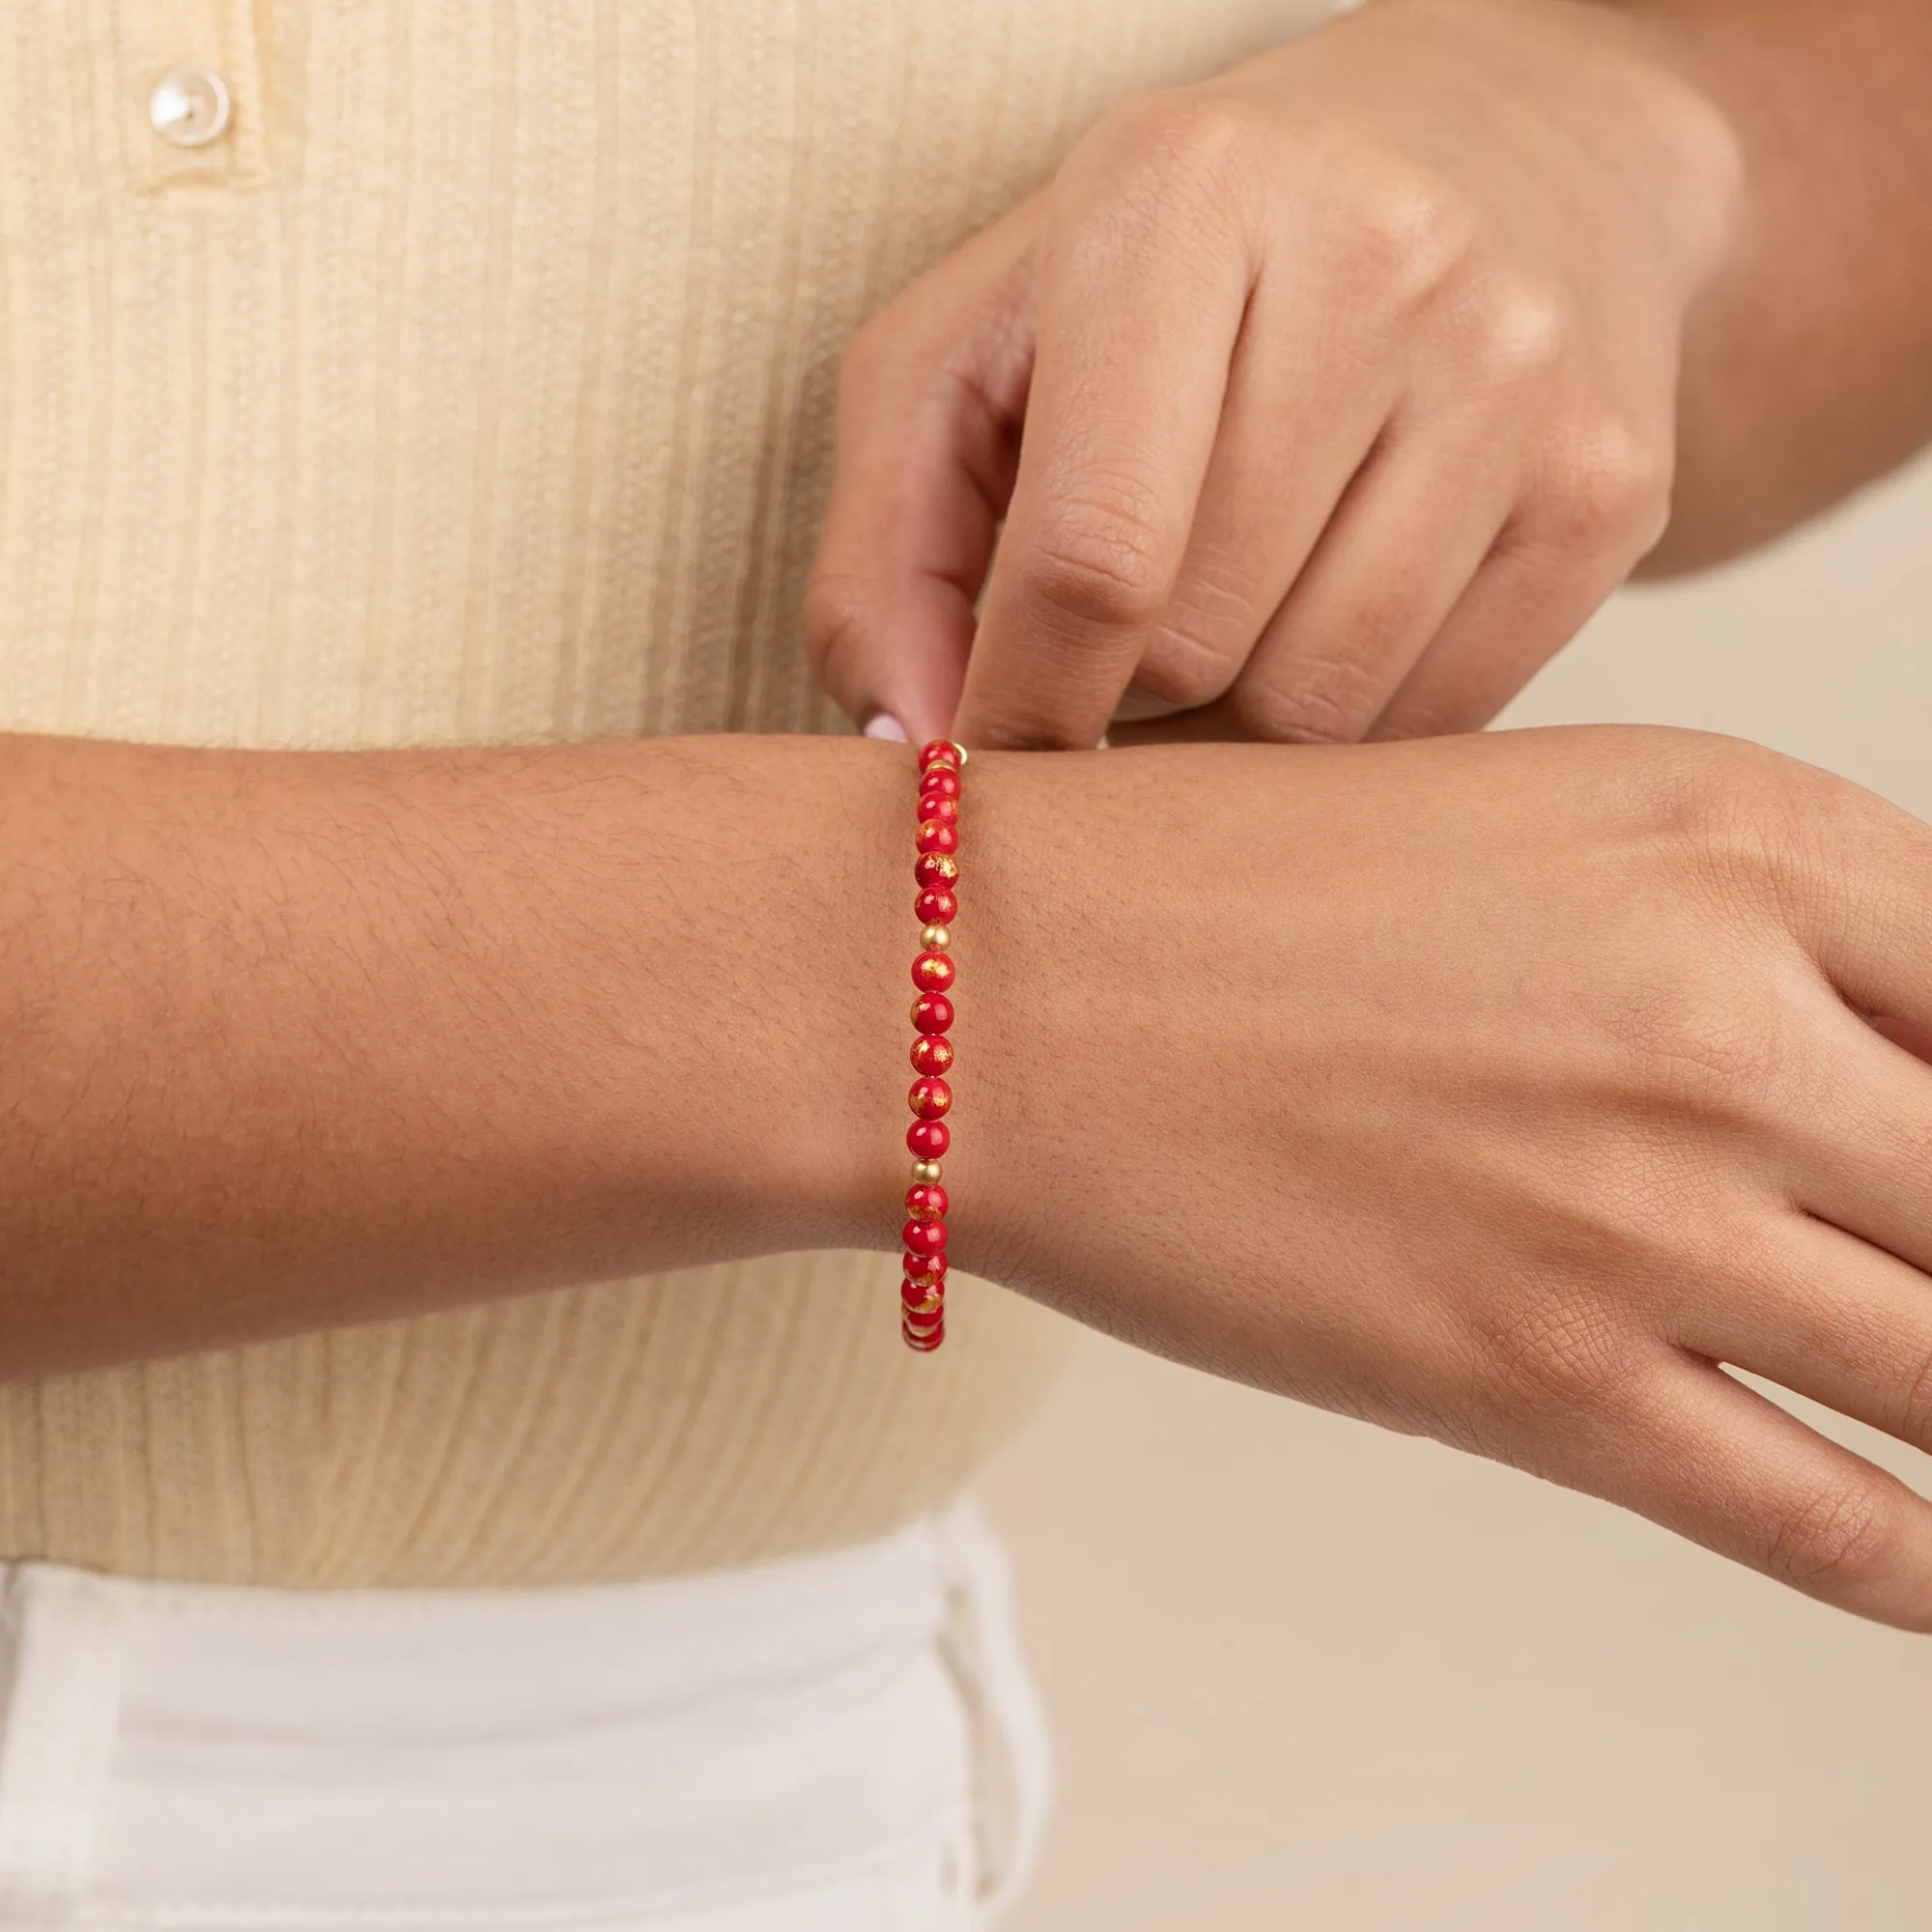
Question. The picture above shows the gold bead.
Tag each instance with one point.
(935, 938)
(926, 1171)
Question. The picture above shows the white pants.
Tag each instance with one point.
(845, 1743)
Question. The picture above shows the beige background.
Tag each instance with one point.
(1305, 1674)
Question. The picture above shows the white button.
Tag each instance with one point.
(189, 106)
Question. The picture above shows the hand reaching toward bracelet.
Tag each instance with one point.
(1490, 1088)
(1346, 383)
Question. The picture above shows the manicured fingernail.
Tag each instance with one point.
(883, 725)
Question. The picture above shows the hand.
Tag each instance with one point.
(1346, 383)
(1494, 1089)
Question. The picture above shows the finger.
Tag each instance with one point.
(1399, 550)
(930, 395)
(1860, 1157)
(1862, 903)
(1292, 440)
(1552, 568)
(1137, 314)
(1702, 1454)
(1827, 1315)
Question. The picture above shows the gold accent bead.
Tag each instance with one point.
(924, 1172)
(935, 938)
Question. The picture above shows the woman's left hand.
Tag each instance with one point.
(1348, 382)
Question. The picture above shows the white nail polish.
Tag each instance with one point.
(883, 725)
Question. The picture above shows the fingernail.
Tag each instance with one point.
(883, 725)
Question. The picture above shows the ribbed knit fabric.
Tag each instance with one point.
(476, 386)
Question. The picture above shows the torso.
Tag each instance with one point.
(476, 386)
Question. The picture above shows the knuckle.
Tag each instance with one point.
(1608, 482)
(1332, 700)
(1519, 328)
(1750, 824)
(1193, 144)
(1096, 559)
(1198, 645)
(1833, 1539)
(1180, 669)
(1406, 229)
(1697, 1050)
(1569, 1355)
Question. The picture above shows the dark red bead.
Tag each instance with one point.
(924, 1270)
(938, 752)
(928, 1139)
(924, 1345)
(933, 1013)
(935, 868)
(935, 836)
(925, 1238)
(931, 1053)
(930, 1099)
(932, 972)
(939, 782)
(936, 907)
(925, 1202)
(938, 810)
(921, 1303)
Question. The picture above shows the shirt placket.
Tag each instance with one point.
(190, 102)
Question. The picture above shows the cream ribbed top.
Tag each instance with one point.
(475, 385)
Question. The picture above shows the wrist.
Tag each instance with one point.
(1632, 84)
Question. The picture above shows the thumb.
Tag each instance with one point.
(931, 393)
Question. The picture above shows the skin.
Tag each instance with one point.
(290, 1041)
(1623, 1020)
(1350, 381)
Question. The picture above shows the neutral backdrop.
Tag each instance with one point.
(1308, 1675)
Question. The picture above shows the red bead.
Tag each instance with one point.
(923, 1304)
(924, 1270)
(925, 1203)
(938, 782)
(925, 1238)
(930, 1099)
(932, 972)
(938, 752)
(935, 868)
(936, 907)
(928, 1139)
(933, 1013)
(931, 1053)
(937, 808)
(935, 836)
(924, 1345)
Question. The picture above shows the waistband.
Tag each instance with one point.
(422, 1761)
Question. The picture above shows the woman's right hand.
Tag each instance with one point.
(1494, 1089)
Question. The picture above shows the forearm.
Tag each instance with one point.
(288, 1040)
(1807, 366)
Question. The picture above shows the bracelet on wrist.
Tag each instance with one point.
(936, 867)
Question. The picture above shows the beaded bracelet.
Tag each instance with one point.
(922, 1293)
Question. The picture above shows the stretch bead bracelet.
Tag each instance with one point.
(922, 1293)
